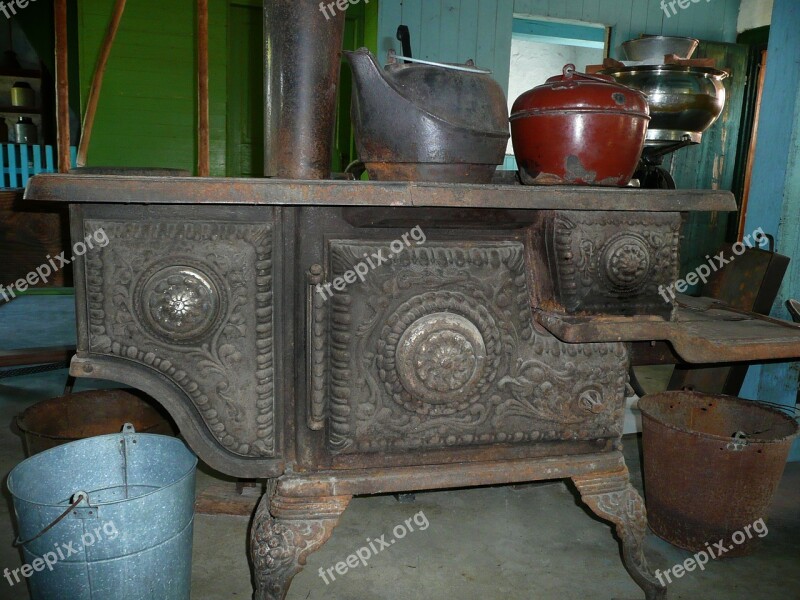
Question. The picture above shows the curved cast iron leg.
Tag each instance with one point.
(284, 533)
(612, 497)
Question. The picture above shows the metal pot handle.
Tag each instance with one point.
(571, 71)
(468, 68)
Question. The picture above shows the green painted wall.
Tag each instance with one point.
(147, 114)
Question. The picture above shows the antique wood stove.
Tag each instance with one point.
(492, 347)
(493, 353)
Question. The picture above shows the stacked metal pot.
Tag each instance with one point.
(686, 97)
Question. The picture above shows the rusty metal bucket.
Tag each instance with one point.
(72, 417)
(711, 466)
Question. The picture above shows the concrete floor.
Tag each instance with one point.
(534, 541)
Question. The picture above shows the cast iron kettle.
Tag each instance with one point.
(421, 121)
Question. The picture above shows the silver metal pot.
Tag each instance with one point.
(656, 47)
(684, 101)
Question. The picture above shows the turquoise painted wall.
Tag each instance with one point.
(775, 196)
(456, 30)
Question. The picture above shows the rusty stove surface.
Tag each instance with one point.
(493, 351)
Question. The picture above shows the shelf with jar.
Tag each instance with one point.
(21, 106)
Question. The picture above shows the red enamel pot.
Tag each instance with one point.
(579, 129)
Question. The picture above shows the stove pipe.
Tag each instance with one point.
(302, 58)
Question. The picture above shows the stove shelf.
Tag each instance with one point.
(704, 331)
(116, 189)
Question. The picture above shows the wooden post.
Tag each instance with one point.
(751, 154)
(62, 86)
(203, 143)
(97, 81)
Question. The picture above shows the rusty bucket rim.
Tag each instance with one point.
(33, 408)
(694, 395)
(164, 439)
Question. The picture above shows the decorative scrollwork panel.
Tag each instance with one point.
(192, 300)
(613, 263)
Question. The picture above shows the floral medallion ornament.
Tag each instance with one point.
(179, 303)
(626, 262)
(438, 353)
(441, 358)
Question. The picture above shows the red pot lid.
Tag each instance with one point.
(581, 92)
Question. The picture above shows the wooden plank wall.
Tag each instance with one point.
(456, 30)
(147, 115)
(29, 232)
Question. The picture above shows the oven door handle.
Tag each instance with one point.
(316, 350)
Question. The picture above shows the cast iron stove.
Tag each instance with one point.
(494, 353)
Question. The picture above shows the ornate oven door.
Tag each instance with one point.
(433, 353)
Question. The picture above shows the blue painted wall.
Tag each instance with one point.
(775, 194)
(457, 30)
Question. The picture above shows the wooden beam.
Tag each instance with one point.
(62, 86)
(203, 141)
(36, 356)
(97, 81)
(751, 152)
(228, 498)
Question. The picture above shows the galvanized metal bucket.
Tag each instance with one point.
(106, 518)
(711, 467)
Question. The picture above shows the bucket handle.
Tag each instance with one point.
(78, 498)
(739, 442)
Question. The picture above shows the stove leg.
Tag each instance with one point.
(284, 533)
(613, 498)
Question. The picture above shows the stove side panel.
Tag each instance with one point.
(179, 301)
